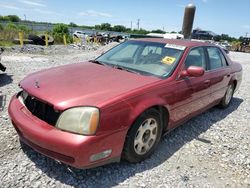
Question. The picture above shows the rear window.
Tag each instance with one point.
(215, 58)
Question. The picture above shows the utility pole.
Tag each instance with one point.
(246, 34)
(131, 25)
(24, 17)
(138, 24)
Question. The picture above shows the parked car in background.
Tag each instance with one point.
(80, 34)
(225, 44)
(120, 104)
(204, 35)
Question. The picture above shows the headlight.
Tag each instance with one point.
(81, 120)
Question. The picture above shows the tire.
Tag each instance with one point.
(50, 39)
(37, 40)
(143, 137)
(2, 68)
(226, 100)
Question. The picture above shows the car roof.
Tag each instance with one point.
(182, 42)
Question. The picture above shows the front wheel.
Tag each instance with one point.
(228, 96)
(143, 136)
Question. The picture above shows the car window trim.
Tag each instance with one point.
(183, 64)
(206, 60)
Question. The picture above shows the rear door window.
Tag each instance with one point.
(223, 59)
(215, 58)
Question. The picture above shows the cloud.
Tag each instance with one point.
(33, 3)
(46, 11)
(9, 6)
(94, 13)
(204, 1)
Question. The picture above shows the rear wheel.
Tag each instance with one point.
(228, 96)
(143, 136)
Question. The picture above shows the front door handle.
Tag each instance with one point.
(207, 83)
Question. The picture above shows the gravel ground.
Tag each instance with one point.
(211, 150)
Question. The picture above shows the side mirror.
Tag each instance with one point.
(192, 71)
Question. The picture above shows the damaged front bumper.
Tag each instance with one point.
(73, 149)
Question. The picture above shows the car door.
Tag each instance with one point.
(219, 73)
(193, 92)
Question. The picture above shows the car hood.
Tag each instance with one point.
(81, 84)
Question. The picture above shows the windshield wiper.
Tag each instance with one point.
(126, 69)
(97, 62)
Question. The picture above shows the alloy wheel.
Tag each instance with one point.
(146, 136)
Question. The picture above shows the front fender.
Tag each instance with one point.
(137, 107)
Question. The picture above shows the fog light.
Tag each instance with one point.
(101, 155)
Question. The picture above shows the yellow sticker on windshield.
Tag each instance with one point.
(168, 60)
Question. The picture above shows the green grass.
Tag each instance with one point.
(6, 43)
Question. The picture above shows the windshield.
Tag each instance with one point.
(148, 58)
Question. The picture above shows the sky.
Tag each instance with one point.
(230, 17)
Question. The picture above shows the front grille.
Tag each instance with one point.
(41, 110)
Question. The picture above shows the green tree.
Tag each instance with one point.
(105, 26)
(141, 31)
(10, 18)
(224, 37)
(241, 38)
(14, 18)
(61, 29)
(98, 27)
(119, 28)
(4, 18)
(158, 31)
(72, 24)
(24, 28)
(11, 26)
(1, 27)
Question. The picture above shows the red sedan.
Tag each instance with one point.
(119, 105)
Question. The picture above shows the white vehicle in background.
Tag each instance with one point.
(167, 35)
(160, 35)
(80, 34)
(173, 36)
(225, 45)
